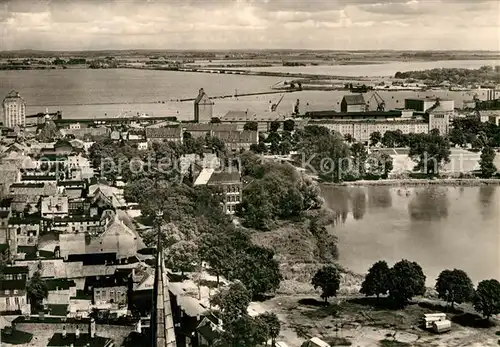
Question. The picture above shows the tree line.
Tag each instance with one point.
(406, 280)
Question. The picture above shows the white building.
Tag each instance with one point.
(14, 110)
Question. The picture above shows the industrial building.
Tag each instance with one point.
(14, 110)
(419, 116)
(203, 108)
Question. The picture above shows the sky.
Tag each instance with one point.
(250, 24)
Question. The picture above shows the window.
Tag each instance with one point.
(16, 291)
(7, 291)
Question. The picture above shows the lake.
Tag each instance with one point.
(438, 227)
(86, 93)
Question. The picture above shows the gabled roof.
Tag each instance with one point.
(163, 133)
(203, 98)
(354, 99)
(224, 177)
(245, 136)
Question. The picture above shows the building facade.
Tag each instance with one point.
(14, 110)
(353, 103)
(203, 108)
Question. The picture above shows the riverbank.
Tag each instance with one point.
(471, 182)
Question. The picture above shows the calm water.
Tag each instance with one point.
(85, 93)
(438, 227)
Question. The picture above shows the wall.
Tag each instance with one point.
(115, 332)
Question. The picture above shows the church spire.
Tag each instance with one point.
(162, 324)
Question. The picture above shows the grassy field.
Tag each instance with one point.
(367, 322)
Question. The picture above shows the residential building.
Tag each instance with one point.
(54, 207)
(117, 239)
(209, 330)
(13, 296)
(353, 103)
(87, 133)
(14, 110)
(263, 120)
(238, 140)
(60, 290)
(231, 188)
(166, 134)
(108, 289)
(227, 183)
(197, 130)
(203, 108)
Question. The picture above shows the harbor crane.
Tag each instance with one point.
(274, 107)
(380, 102)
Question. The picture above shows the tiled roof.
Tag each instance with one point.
(164, 133)
(224, 177)
(192, 127)
(40, 189)
(202, 98)
(16, 270)
(118, 238)
(354, 99)
(245, 136)
(114, 280)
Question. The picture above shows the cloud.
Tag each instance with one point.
(226, 24)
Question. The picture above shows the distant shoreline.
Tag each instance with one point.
(471, 182)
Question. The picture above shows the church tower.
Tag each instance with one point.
(162, 324)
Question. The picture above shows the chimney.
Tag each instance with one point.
(64, 332)
(201, 91)
(92, 328)
(77, 333)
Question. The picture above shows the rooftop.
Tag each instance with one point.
(224, 177)
(354, 99)
(84, 340)
(166, 132)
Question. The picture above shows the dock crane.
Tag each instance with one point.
(275, 106)
(379, 100)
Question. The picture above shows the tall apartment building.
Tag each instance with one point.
(14, 110)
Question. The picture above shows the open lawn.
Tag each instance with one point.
(367, 322)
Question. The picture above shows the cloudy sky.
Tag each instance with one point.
(243, 24)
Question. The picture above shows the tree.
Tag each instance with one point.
(375, 138)
(406, 280)
(488, 168)
(348, 138)
(215, 250)
(258, 270)
(359, 154)
(328, 279)
(430, 151)
(273, 326)
(232, 302)
(37, 290)
(245, 331)
(454, 286)
(251, 125)
(376, 281)
(274, 127)
(182, 256)
(289, 125)
(487, 298)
